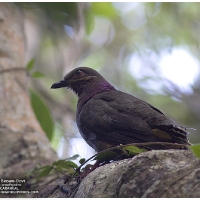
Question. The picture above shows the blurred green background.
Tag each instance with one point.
(150, 50)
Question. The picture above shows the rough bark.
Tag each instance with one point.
(161, 173)
(22, 143)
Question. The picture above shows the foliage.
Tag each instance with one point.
(65, 166)
(43, 114)
(196, 149)
(58, 13)
(37, 74)
(39, 107)
(45, 171)
(133, 150)
(30, 64)
(68, 167)
(34, 74)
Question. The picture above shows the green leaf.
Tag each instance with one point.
(30, 64)
(196, 149)
(37, 74)
(103, 8)
(89, 22)
(133, 150)
(74, 157)
(46, 170)
(65, 164)
(68, 167)
(43, 114)
(105, 156)
(82, 160)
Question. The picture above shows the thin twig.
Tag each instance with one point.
(13, 69)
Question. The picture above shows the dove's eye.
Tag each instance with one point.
(79, 72)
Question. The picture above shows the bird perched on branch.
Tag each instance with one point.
(107, 117)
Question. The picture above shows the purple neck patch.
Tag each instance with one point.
(91, 91)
